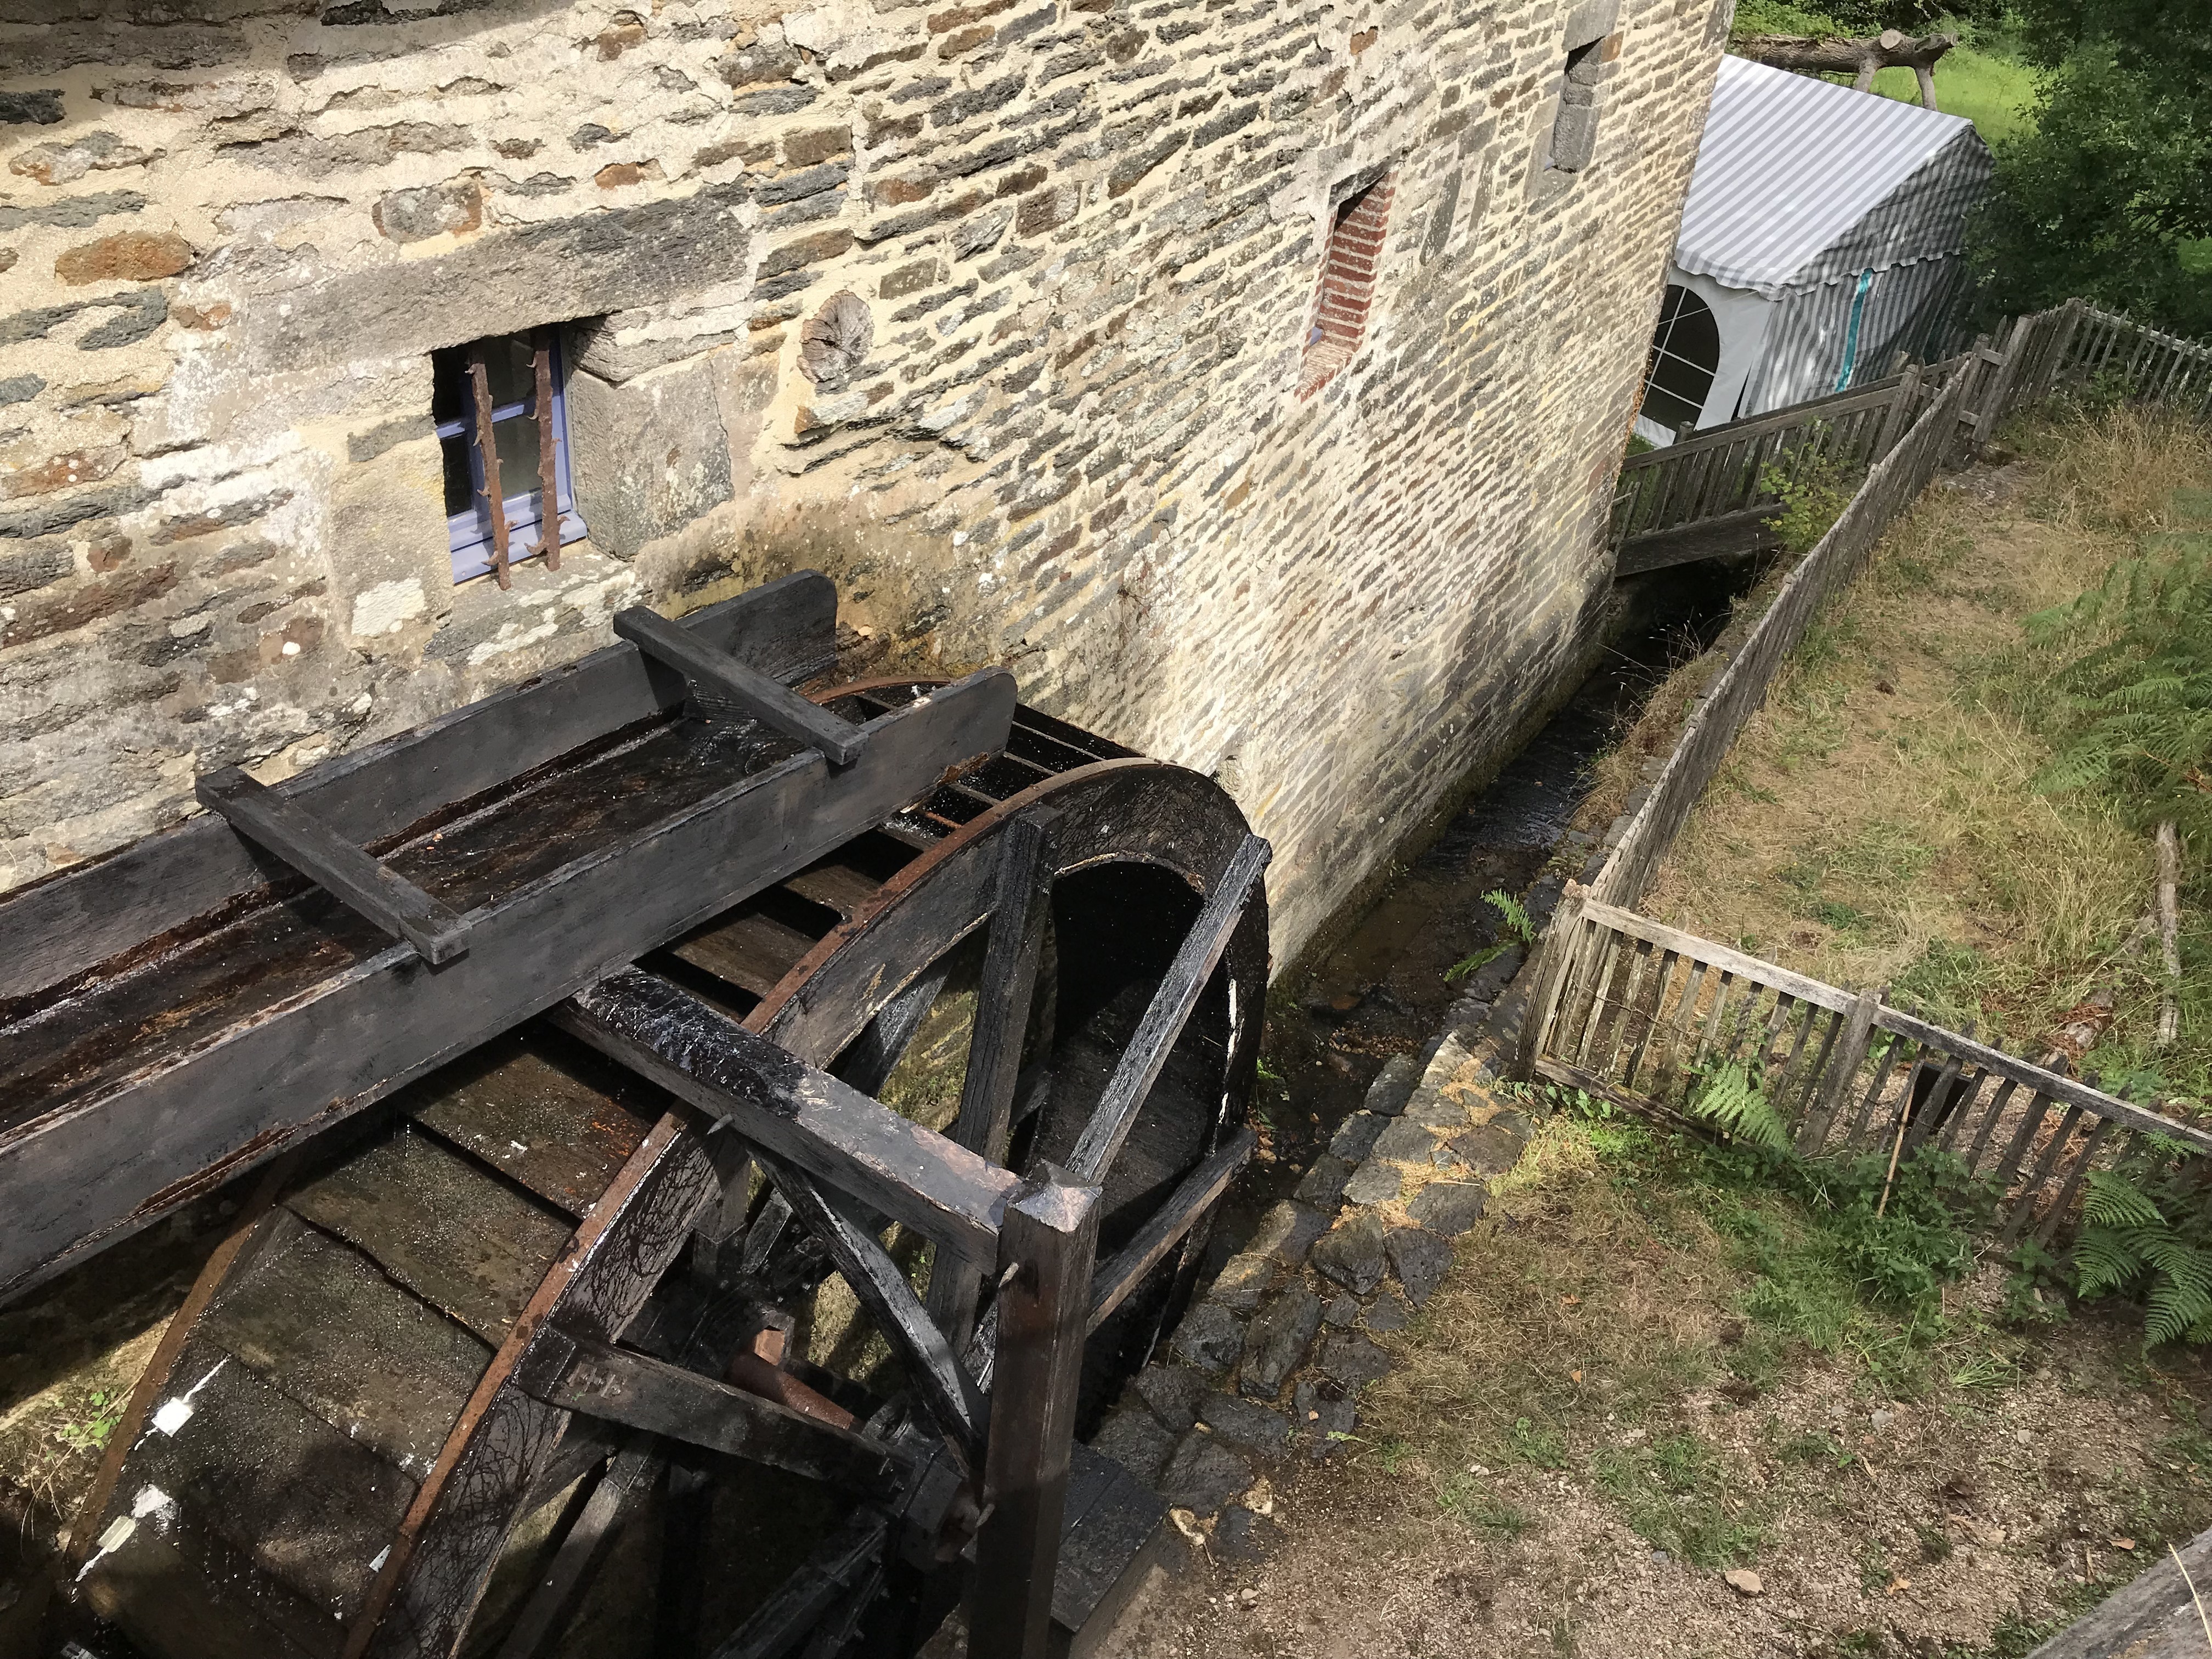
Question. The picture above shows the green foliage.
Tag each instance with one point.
(1514, 917)
(2146, 1231)
(1545, 1448)
(2109, 191)
(2135, 718)
(1813, 489)
(90, 1432)
(1726, 1098)
(1478, 960)
(1858, 17)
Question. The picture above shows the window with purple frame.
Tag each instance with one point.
(504, 388)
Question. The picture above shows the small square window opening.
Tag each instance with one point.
(1349, 266)
(503, 426)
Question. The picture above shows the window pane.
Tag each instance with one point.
(517, 456)
(506, 361)
(458, 489)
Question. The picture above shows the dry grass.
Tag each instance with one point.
(1876, 824)
(1608, 1405)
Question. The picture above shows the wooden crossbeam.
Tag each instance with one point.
(775, 706)
(579, 1374)
(794, 1113)
(365, 885)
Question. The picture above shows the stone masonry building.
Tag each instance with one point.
(1249, 375)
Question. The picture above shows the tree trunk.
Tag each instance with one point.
(1858, 58)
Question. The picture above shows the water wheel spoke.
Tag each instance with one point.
(868, 1063)
(936, 1374)
(988, 1089)
(620, 1492)
(1195, 961)
(849, 1556)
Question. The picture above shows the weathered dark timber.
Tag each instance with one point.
(124, 1154)
(365, 885)
(1194, 962)
(617, 1496)
(1047, 1249)
(579, 1374)
(985, 1125)
(822, 1126)
(933, 1370)
(765, 699)
(1123, 1271)
(59, 928)
(846, 1555)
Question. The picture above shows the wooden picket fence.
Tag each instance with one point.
(1625, 1008)
(1639, 1013)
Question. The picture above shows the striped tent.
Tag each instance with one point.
(1823, 233)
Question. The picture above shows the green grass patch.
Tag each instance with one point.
(1996, 92)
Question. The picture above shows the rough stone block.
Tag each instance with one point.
(1243, 1537)
(1243, 1424)
(1321, 1411)
(1209, 1337)
(1352, 1362)
(1323, 1184)
(1352, 1254)
(1276, 1343)
(1390, 1313)
(1172, 1394)
(1494, 1147)
(1203, 1474)
(1243, 1280)
(1138, 1444)
(1356, 1136)
(1449, 1207)
(1394, 1085)
(1405, 1142)
(1287, 1232)
(649, 456)
(1376, 1182)
(1420, 1259)
(1342, 1310)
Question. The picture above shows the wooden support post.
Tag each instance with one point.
(1843, 1065)
(1047, 1244)
(1999, 391)
(1554, 953)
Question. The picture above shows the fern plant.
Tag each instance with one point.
(1513, 915)
(2135, 716)
(1726, 1098)
(2157, 1243)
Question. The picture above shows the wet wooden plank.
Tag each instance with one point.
(60, 928)
(321, 1322)
(465, 1240)
(1111, 1533)
(752, 952)
(835, 885)
(543, 1109)
(130, 1151)
(306, 1504)
(179, 1591)
(728, 679)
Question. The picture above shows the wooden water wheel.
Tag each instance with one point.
(592, 1267)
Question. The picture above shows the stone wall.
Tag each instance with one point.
(1061, 262)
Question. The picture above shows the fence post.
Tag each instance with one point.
(1557, 950)
(1898, 421)
(2062, 347)
(1842, 1071)
(1046, 1244)
(1999, 394)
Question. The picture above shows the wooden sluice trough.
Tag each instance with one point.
(535, 1056)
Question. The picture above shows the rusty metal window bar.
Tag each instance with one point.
(488, 402)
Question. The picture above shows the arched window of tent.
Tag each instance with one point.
(1686, 354)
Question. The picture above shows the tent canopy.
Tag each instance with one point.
(1800, 182)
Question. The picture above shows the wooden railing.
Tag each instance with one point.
(1641, 1013)
(1716, 494)
(1713, 495)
